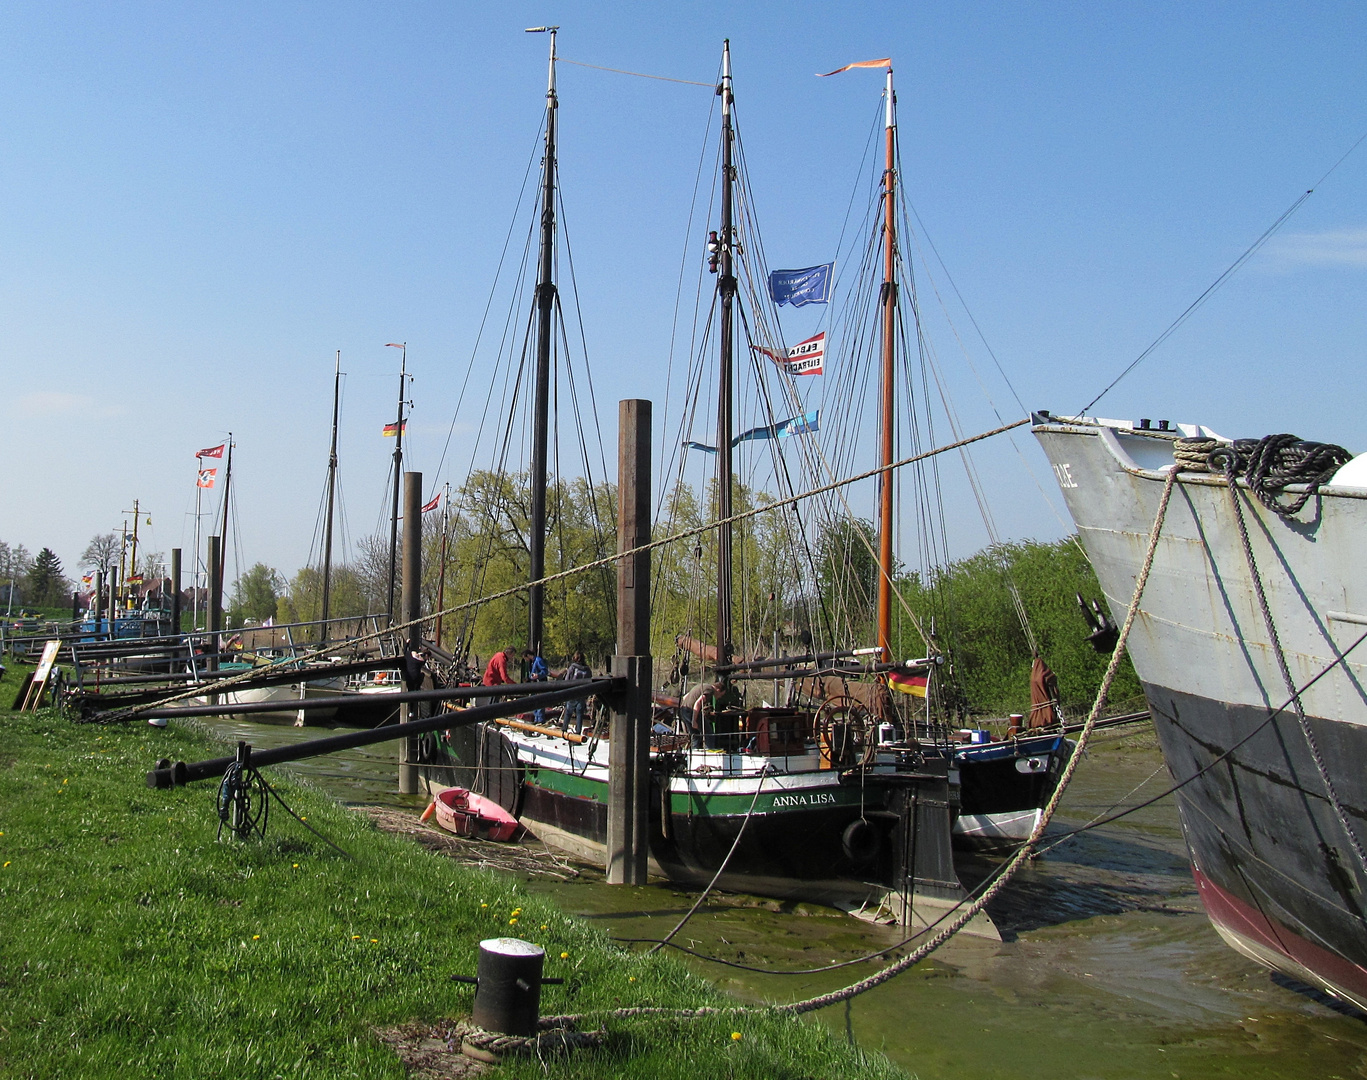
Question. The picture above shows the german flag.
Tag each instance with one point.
(392, 430)
(908, 683)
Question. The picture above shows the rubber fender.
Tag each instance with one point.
(860, 842)
(431, 809)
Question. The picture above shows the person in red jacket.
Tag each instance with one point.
(496, 674)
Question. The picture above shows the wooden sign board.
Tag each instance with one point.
(33, 698)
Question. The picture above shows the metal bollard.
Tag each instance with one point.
(508, 993)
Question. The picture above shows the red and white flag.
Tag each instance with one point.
(206, 478)
(804, 358)
(886, 62)
(436, 501)
(213, 451)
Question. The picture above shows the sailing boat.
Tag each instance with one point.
(777, 806)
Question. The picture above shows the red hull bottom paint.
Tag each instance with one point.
(1252, 933)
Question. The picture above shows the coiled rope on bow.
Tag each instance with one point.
(1268, 465)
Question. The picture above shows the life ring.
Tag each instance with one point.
(860, 842)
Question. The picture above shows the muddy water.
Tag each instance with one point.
(1108, 969)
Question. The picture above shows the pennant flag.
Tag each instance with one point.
(213, 451)
(436, 501)
(795, 425)
(886, 62)
(804, 358)
(393, 345)
(811, 285)
(391, 431)
(206, 478)
(905, 681)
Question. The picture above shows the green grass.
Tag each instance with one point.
(134, 944)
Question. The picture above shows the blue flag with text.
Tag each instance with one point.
(811, 285)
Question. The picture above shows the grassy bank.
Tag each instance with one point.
(134, 944)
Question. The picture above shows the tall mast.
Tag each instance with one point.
(133, 553)
(441, 573)
(889, 302)
(727, 286)
(332, 491)
(545, 303)
(398, 477)
(223, 544)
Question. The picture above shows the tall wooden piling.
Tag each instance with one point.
(215, 599)
(175, 590)
(97, 602)
(410, 609)
(629, 735)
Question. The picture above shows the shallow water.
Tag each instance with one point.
(1109, 969)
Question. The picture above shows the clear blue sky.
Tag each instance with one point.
(200, 203)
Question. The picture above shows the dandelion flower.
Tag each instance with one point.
(512, 922)
(256, 937)
(543, 925)
(296, 866)
(631, 978)
(6, 863)
(374, 941)
(483, 905)
(355, 937)
(735, 1036)
(563, 955)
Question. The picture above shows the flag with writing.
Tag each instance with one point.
(392, 430)
(436, 501)
(206, 478)
(213, 451)
(804, 358)
(810, 285)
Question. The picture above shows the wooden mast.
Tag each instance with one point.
(398, 476)
(332, 491)
(217, 585)
(727, 287)
(545, 305)
(889, 303)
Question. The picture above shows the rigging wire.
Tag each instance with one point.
(1229, 272)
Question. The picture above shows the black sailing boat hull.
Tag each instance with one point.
(1273, 862)
(808, 835)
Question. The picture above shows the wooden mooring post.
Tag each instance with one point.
(175, 592)
(629, 734)
(410, 608)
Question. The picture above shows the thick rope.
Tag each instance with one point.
(1290, 684)
(608, 560)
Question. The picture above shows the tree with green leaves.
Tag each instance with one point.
(256, 595)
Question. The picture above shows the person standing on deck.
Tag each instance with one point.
(537, 671)
(697, 704)
(496, 674)
(575, 670)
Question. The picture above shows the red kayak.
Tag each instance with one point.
(466, 814)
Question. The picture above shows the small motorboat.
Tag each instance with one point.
(464, 813)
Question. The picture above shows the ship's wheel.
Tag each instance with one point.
(846, 733)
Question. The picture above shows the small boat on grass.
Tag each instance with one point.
(460, 811)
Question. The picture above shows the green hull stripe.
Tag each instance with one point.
(681, 803)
